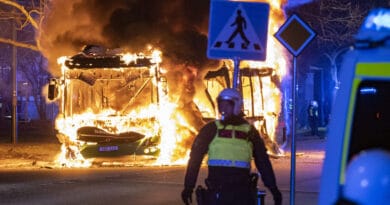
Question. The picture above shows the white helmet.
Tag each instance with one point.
(367, 180)
(234, 96)
(314, 103)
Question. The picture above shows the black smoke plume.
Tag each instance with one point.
(177, 27)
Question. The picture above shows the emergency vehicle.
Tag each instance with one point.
(360, 119)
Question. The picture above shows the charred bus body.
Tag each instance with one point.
(255, 82)
(101, 97)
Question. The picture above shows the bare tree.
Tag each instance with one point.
(339, 20)
(33, 69)
(335, 22)
(24, 16)
(5, 74)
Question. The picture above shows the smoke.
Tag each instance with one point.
(177, 27)
(67, 26)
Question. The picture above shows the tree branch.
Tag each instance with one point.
(23, 10)
(19, 44)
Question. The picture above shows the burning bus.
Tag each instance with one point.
(106, 102)
(113, 104)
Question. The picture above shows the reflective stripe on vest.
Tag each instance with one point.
(229, 163)
(231, 147)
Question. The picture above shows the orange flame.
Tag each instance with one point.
(170, 125)
(277, 60)
(155, 119)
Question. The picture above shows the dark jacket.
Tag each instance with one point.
(200, 148)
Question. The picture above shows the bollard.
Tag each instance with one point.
(260, 197)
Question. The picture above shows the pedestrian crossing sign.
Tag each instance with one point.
(238, 30)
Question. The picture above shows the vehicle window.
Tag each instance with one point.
(116, 89)
(371, 121)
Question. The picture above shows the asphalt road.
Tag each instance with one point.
(145, 185)
(29, 175)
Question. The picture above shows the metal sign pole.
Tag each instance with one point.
(292, 171)
(295, 44)
(236, 73)
(14, 89)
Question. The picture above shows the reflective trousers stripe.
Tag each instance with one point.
(228, 163)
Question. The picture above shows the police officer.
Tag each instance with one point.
(230, 144)
(312, 112)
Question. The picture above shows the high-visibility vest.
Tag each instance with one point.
(231, 146)
(313, 111)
